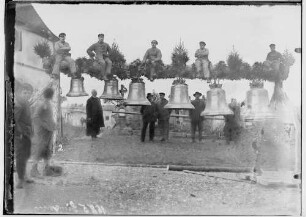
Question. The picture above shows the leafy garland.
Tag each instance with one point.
(233, 69)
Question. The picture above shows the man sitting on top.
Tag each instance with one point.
(152, 57)
(202, 62)
(100, 51)
(61, 49)
(274, 58)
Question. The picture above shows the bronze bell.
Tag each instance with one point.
(77, 88)
(216, 103)
(111, 90)
(257, 103)
(179, 98)
(137, 94)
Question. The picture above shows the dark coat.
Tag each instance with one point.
(195, 114)
(94, 116)
(163, 114)
(149, 112)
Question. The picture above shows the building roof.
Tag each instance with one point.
(27, 16)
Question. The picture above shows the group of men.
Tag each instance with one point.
(28, 132)
(100, 53)
(158, 112)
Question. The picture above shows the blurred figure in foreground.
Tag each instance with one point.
(23, 131)
(44, 128)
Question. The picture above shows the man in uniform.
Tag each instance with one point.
(62, 49)
(195, 116)
(153, 58)
(202, 62)
(274, 58)
(101, 51)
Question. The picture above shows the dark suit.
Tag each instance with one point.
(149, 117)
(94, 116)
(196, 118)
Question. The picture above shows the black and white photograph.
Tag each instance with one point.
(152, 108)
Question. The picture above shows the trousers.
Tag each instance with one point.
(203, 65)
(194, 125)
(164, 128)
(144, 129)
(59, 59)
(105, 63)
(22, 154)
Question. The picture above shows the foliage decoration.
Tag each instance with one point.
(118, 67)
(179, 60)
(179, 81)
(42, 49)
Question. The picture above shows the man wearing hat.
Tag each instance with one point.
(149, 117)
(152, 57)
(274, 58)
(163, 117)
(195, 116)
(202, 62)
(100, 51)
(61, 49)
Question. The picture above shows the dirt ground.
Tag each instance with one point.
(118, 190)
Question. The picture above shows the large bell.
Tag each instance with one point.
(77, 88)
(179, 98)
(216, 103)
(257, 102)
(111, 90)
(137, 94)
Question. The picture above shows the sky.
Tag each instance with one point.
(247, 29)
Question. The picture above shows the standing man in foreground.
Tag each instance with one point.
(61, 49)
(23, 131)
(195, 116)
(152, 57)
(94, 115)
(163, 117)
(149, 117)
(100, 51)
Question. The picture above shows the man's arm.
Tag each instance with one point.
(90, 51)
(145, 56)
(61, 49)
(159, 55)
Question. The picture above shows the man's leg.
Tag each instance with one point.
(162, 129)
(167, 129)
(72, 66)
(144, 129)
(151, 130)
(58, 59)
(198, 66)
(200, 126)
(152, 70)
(20, 162)
(102, 63)
(109, 64)
(193, 129)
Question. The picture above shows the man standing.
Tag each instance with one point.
(44, 126)
(152, 57)
(274, 58)
(23, 132)
(94, 115)
(100, 51)
(149, 116)
(163, 117)
(195, 116)
(202, 62)
(62, 49)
